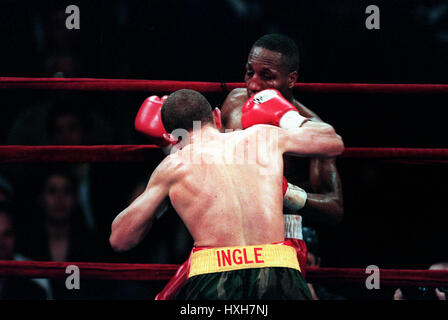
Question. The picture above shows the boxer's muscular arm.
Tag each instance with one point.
(324, 204)
(312, 139)
(134, 222)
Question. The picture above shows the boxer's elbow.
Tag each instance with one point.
(116, 243)
(120, 244)
(337, 212)
(335, 208)
(118, 239)
(336, 144)
(331, 144)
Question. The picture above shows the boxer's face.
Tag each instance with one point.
(7, 239)
(265, 69)
(58, 198)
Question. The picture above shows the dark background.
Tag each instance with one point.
(395, 214)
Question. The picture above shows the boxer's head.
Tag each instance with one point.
(273, 62)
(183, 107)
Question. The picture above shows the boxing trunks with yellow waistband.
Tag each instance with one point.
(266, 272)
(181, 276)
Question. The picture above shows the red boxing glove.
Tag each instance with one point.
(270, 107)
(284, 186)
(149, 122)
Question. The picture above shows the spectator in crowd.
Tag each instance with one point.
(63, 235)
(424, 293)
(67, 126)
(16, 288)
(6, 191)
(57, 232)
(318, 292)
(59, 122)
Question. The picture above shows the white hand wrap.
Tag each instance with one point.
(295, 197)
(292, 120)
(293, 226)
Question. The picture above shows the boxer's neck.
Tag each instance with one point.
(205, 133)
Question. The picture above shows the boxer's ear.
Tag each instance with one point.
(217, 118)
(292, 79)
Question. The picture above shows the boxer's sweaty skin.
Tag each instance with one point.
(222, 199)
(266, 69)
(316, 174)
(231, 113)
(227, 204)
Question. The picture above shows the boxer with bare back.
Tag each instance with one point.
(226, 188)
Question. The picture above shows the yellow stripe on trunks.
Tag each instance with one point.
(244, 257)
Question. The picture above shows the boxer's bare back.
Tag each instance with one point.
(228, 198)
(225, 195)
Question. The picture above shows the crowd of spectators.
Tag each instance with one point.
(64, 212)
(60, 220)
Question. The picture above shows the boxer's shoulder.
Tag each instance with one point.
(171, 167)
(237, 95)
(232, 106)
(305, 111)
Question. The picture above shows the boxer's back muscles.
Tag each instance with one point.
(227, 204)
(224, 197)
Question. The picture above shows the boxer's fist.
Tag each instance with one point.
(149, 121)
(270, 107)
(294, 197)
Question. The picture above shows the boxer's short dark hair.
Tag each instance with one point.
(183, 107)
(281, 44)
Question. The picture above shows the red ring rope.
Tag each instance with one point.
(48, 154)
(124, 271)
(139, 153)
(89, 84)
